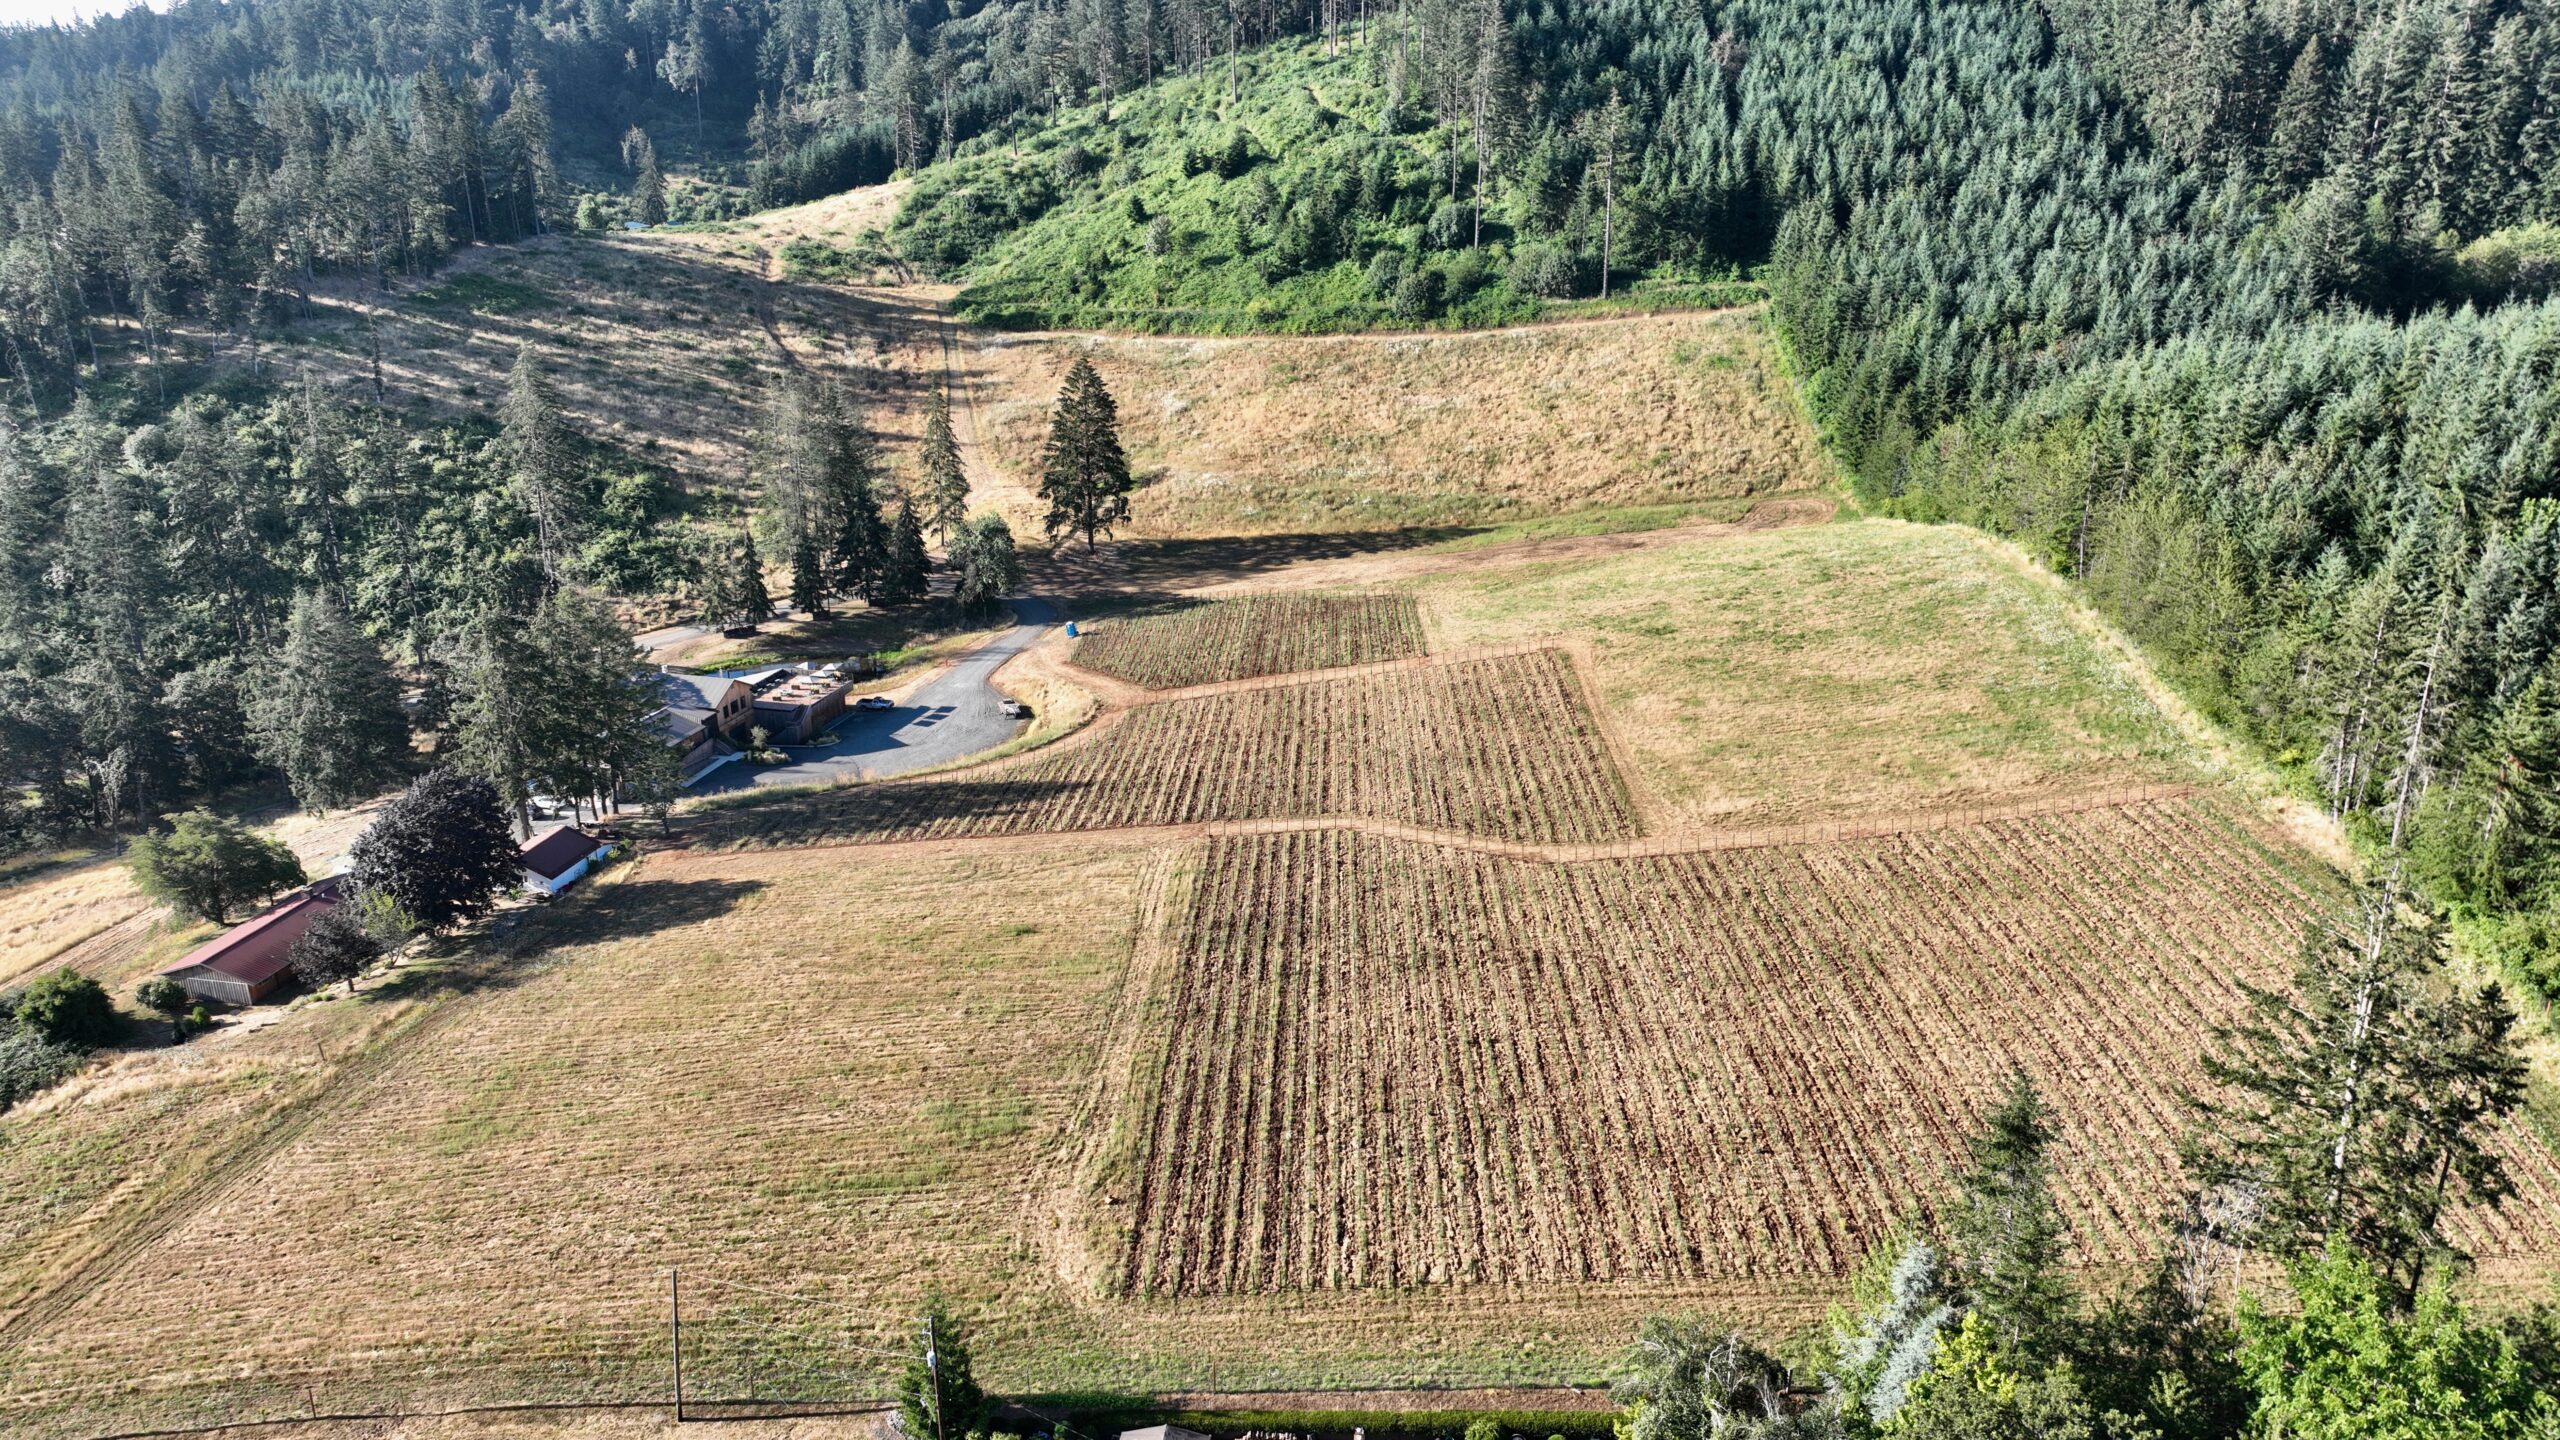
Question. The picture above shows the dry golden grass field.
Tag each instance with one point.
(83, 912)
(786, 1069)
(54, 910)
(1370, 432)
(659, 343)
(662, 342)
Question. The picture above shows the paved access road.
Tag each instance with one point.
(951, 718)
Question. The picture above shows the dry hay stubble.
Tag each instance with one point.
(1364, 432)
(816, 1072)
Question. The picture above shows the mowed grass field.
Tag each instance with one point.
(795, 1070)
(1832, 672)
(1372, 432)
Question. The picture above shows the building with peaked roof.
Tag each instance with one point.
(698, 715)
(250, 961)
(554, 862)
(703, 717)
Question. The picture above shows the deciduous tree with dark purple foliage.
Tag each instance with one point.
(443, 851)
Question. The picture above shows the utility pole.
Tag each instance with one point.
(675, 1337)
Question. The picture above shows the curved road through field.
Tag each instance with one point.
(951, 717)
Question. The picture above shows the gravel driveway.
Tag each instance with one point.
(951, 718)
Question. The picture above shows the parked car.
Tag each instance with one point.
(874, 702)
(1014, 709)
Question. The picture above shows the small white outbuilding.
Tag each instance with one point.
(554, 862)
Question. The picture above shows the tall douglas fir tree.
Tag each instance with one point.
(1083, 474)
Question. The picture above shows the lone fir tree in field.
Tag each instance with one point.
(2359, 1107)
(946, 480)
(1083, 474)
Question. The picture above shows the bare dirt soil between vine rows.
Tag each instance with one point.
(1503, 746)
(1389, 1064)
(1204, 642)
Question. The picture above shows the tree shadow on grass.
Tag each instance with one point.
(517, 944)
(919, 810)
(1137, 567)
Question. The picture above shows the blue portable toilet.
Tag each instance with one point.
(1071, 629)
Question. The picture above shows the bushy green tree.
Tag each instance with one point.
(2356, 1363)
(65, 1007)
(208, 866)
(31, 1064)
(336, 947)
(987, 569)
(1971, 1392)
(167, 998)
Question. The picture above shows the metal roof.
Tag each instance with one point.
(551, 856)
(223, 954)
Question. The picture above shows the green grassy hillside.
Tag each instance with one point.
(1307, 203)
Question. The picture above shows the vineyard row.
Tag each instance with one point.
(1395, 1064)
(1252, 636)
(1504, 747)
